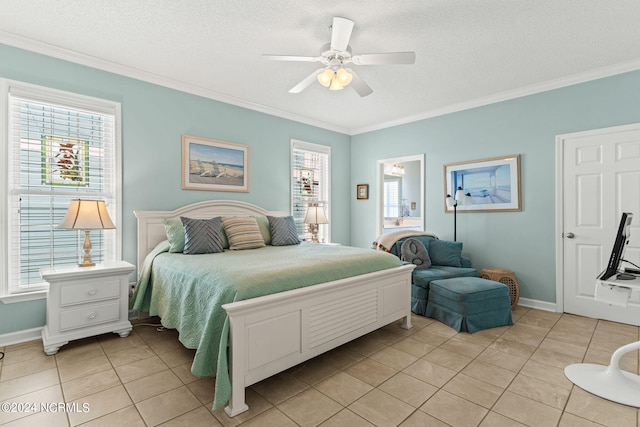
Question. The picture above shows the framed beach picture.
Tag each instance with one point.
(493, 184)
(209, 164)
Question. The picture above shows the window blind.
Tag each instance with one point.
(310, 183)
(61, 147)
(392, 197)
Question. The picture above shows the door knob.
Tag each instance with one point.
(570, 235)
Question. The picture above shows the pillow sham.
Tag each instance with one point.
(175, 234)
(414, 252)
(202, 236)
(283, 231)
(243, 233)
(446, 253)
(263, 224)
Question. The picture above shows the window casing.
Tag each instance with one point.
(310, 183)
(59, 146)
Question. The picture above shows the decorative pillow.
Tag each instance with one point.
(242, 232)
(397, 246)
(175, 234)
(414, 252)
(202, 236)
(263, 224)
(225, 241)
(283, 231)
(445, 253)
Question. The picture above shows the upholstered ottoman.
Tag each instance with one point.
(469, 303)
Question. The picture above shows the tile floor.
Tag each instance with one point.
(428, 376)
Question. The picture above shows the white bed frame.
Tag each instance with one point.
(275, 332)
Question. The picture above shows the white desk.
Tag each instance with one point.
(610, 382)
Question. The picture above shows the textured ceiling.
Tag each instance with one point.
(468, 52)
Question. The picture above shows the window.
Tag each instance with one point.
(60, 146)
(392, 196)
(310, 183)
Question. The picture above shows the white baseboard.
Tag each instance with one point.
(540, 305)
(20, 336)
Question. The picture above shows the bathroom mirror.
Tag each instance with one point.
(400, 194)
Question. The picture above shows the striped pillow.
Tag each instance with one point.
(283, 231)
(242, 232)
(202, 236)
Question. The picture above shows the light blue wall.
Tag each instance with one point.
(521, 241)
(153, 120)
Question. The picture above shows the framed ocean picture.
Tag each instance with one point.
(493, 184)
(209, 164)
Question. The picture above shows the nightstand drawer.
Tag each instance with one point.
(87, 316)
(96, 291)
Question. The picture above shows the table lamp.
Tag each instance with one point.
(87, 215)
(315, 215)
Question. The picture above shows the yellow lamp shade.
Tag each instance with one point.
(336, 85)
(87, 215)
(315, 215)
(325, 77)
(344, 77)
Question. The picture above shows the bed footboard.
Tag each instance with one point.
(272, 333)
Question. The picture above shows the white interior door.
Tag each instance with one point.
(600, 172)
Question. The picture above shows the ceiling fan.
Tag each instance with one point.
(336, 55)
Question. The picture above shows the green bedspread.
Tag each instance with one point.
(188, 291)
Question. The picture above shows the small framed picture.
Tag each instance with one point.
(362, 191)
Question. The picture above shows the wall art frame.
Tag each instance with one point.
(494, 184)
(65, 161)
(214, 165)
(362, 191)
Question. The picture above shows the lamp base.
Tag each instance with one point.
(87, 248)
(314, 233)
(87, 264)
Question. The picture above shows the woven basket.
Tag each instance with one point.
(506, 277)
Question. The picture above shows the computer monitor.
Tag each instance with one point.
(622, 239)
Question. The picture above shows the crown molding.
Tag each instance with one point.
(512, 94)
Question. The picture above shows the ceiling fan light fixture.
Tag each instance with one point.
(335, 79)
(325, 77)
(344, 77)
(336, 55)
(336, 85)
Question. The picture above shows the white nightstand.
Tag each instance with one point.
(86, 301)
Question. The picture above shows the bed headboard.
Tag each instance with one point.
(151, 230)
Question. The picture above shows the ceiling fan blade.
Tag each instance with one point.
(359, 85)
(292, 58)
(385, 58)
(306, 82)
(341, 33)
